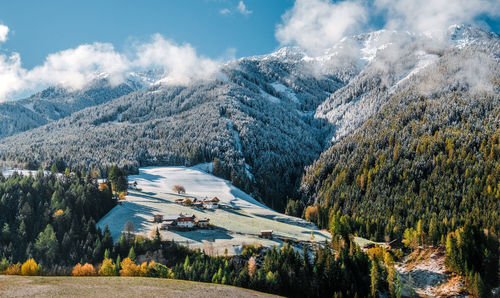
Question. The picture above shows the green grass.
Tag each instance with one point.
(68, 286)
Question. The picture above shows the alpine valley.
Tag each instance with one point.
(389, 138)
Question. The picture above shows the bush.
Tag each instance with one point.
(159, 270)
(122, 195)
(129, 268)
(30, 268)
(85, 270)
(13, 270)
(108, 268)
(4, 264)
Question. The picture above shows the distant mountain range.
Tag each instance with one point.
(264, 117)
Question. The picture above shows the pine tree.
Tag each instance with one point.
(118, 264)
(131, 254)
(374, 275)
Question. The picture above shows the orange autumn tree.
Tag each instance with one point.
(85, 270)
(14, 269)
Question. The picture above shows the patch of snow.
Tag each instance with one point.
(425, 272)
(30, 106)
(236, 135)
(247, 171)
(286, 91)
(8, 173)
(424, 60)
(205, 167)
(118, 118)
(269, 97)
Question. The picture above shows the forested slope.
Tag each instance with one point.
(425, 169)
(256, 118)
(54, 103)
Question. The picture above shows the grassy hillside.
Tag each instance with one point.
(65, 286)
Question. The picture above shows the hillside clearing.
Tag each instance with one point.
(233, 227)
(67, 286)
(425, 272)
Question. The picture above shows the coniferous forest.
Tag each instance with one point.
(37, 211)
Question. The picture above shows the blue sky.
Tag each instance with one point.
(42, 27)
(66, 43)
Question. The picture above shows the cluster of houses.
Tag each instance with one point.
(181, 221)
(202, 204)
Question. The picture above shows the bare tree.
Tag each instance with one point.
(129, 229)
(179, 189)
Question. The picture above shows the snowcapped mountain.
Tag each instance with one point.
(273, 114)
(393, 58)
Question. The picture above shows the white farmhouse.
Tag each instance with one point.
(186, 220)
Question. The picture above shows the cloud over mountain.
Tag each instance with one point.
(74, 68)
(316, 25)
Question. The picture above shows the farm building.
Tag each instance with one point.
(211, 204)
(203, 223)
(157, 218)
(266, 234)
(186, 220)
(168, 224)
(197, 204)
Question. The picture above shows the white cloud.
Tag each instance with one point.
(74, 68)
(427, 15)
(317, 24)
(4, 31)
(180, 62)
(11, 75)
(242, 8)
(224, 11)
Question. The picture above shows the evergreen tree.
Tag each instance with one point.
(131, 254)
(374, 276)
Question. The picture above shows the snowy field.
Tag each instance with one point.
(233, 227)
(8, 173)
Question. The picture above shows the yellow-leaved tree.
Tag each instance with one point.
(30, 268)
(108, 268)
(129, 268)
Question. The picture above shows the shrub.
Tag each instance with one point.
(122, 195)
(59, 212)
(129, 268)
(14, 269)
(103, 187)
(108, 268)
(4, 264)
(159, 270)
(312, 214)
(29, 268)
(85, 270)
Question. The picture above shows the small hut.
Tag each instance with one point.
(268, 234)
